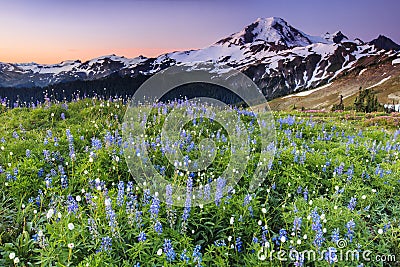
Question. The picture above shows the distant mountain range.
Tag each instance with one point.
(279, 58)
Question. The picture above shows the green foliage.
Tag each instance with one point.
(339, 106)
(322, 162)
(366, 101)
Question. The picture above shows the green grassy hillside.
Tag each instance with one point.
(68, 199)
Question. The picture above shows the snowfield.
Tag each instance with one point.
(396, 61)
(306, 93)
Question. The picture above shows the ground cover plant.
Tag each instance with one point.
(68, 199)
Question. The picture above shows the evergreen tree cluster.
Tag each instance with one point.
(366, 101)
(339, 106)
(111, 86)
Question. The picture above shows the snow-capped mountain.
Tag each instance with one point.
(273, 31)
(33, 74)
(278, 57)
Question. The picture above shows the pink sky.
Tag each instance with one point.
(45, 31)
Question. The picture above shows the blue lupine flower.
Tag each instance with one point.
(142, 237)
(339, 191)
(53, 172)
(146, 196)
(299, 259)
(197, 255)
(330, 255)
(168, 200)
(219, 190)
(352, 203)
(108, 139)
(69, 136)
(154, 207)
(46, 155)
(110, 214)
(129, 189)
(132, 202)
(158, 227)
(96, 143)
(299, 190)
(38, 199)
(247, 200)
(305, 194)
(264, 234)
(71, 144)
(48, 180)
(92, 226)
(303, 158)
(317, 227)
(106, 244)
(89, 200)
(184, 256)
(188, 201)
(350, 173)
(386, 227)
(339, 170)
(350, 233)
(207, 192)
(297, 224)
(35, 237)
(72, 205)
(239, 244)
(335, 235)
(319, 239)
(138, 218)
(282, 233)
(120, 197)
(169, 250)
(63, 177)
(220, 243)
(10, 177)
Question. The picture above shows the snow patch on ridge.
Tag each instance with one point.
(309, 92)
(379, 83)
(361, 72)
(396, 61)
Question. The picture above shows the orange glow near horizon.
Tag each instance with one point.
(54, 56)
(49, 32)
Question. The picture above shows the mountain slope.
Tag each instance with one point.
(383, 78)
(383, 42)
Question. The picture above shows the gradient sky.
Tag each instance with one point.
(47, 31)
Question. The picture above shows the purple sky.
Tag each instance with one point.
(47, 31)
